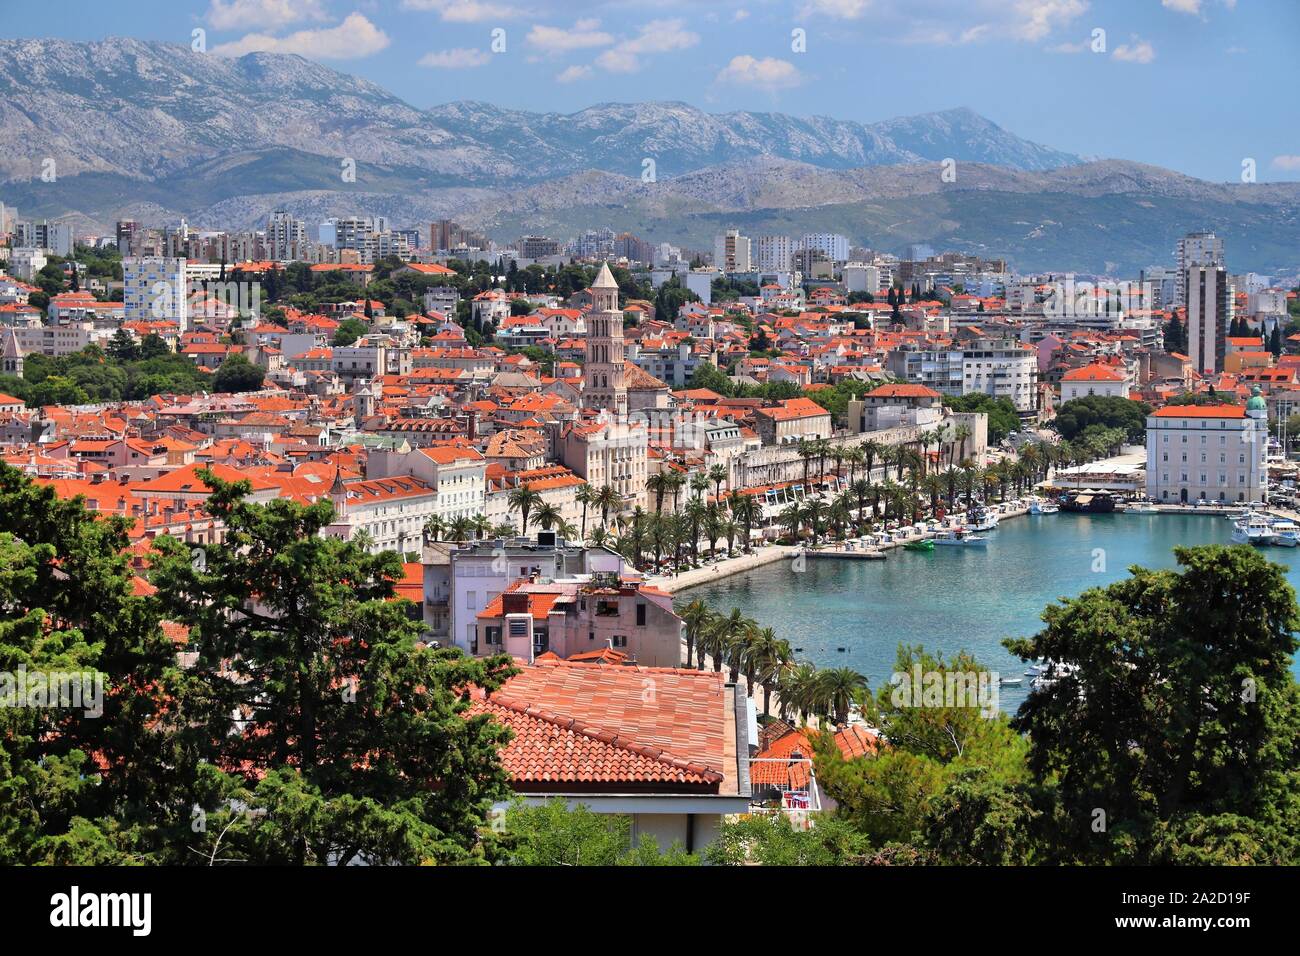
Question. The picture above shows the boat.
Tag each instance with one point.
(1141, 507)
(1010, 681)
(1089, 502)
(1052, 673)
(1284, 532)
(1252, 528)
(982, 519)
(1043, 506)
(925, 544)
(960, 537)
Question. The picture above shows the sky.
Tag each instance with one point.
(1206, 87)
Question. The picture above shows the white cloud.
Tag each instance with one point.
(1183, 6)
(263, 14)
(572, 74)
(582, 35)
(768, 73)
(839, 9)
(1290, 163)
(739, 15)
(355, 37)
(463, 11)
(1035, 19)
(458, 59)
(1140, 51)
(657, 36)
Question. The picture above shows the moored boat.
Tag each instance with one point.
(1284, 532)
(925, 544)
(1043, 506)
(960, 537)
(1252, 528)
(1089, 502)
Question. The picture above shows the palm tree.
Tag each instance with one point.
(566, 530)
(699, 485)
(728, 641)
(586, 496)
(695, 514)
(460, 529)
(547, 515)
(871, 450)
(861, 491)
(729, 531)
(696, 617)
(792, 517)
(933, 485)
(815, 513)
(798, 689)
(838, 688)
(523, 499)
(745, 510)
(481, 526)
(770, 657)
(807, 451)
(959, 436)
(607, 500)
(660, 483)
(713, 520)
(717, 475)
(855, 457)
(676, 482)
(434, 528)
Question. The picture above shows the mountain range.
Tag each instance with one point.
(157, 132)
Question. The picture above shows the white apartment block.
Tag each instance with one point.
(25, 262)
(832, 245)
(731, 252)
(773, 253)
(1208, 452)
(155, 289)
(1003, 368)
(1196, 249)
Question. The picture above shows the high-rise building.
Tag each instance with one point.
(1197, 249)
(773, 253)
(126, 233)
(155, 289)
(831, 245)
(55, 237)
(731, 252)
(286, 236)
(603, 385)
(538, 247)
(1207, 295)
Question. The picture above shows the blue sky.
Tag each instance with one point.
(1194, 85)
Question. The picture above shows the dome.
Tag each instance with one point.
(1256, 402)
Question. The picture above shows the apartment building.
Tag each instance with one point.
(156, 289)
(1208, 452)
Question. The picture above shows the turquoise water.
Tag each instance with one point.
(855, 613)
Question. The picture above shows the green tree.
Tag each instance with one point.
(1181, 715)
(351, 736)
(238, 374)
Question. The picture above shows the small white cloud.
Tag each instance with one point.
(1192, 7)
(1290, 163)
(352, 39)
(838, 9)
(657, 36)
(262, 14)
(461, 58)
(583, 35)
(1035, 19)
(1140, 51)
(463, 11)
(572, 74)
(739, 15)
(768, 73)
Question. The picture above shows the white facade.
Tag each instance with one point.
(731, 252)
(1207, 453)
(773, 253)
(26, 261)
(155, 289)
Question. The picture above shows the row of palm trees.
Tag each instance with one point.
(744, 647)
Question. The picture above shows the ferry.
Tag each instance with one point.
(960, 537)
(1252, 528)
(1043, 506)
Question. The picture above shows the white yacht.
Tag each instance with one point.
(982, 519)
(1140, 507)
(1284, 532)
(1043, 506)
(960, 537)
(1252, 528)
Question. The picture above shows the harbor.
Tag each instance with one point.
(839, 613)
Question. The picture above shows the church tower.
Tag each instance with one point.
(11, 354)
(603, 385)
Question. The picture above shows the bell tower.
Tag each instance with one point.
(603, 386)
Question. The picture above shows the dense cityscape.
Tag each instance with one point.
(369, 540)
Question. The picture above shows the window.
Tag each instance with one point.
(640, 615)
(618, 640)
